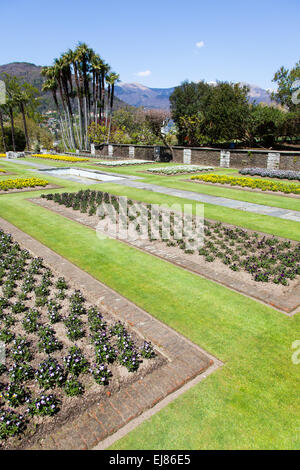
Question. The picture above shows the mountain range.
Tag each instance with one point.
(133, 94)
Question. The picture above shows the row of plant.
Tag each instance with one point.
(63, 158)
(266, 259)
(34, 305)
(123, 162)
(2, 155)
(2, 171)
(265, 173)
(253, 183)
(20, 183)
(179, 169)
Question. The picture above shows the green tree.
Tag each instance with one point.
(285, 79)
(22, 98)
(265, 125)
(226, 112)
(209, 113)
(83, 89)
(19, 140)
(188, 100)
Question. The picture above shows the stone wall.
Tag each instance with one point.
(237, 158)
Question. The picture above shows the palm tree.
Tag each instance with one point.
(25, 96)
(2, 129)
(62, 75)
(111, 79)
(11, 103)
(51, 85)
(78, 78)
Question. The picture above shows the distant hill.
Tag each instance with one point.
(134, 94)
(31, 73)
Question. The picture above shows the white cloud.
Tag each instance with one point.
(146, 73)
(199, 44)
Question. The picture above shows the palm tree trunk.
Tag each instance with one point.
(11, 115)
(80, 124)
(22, 109)
(111, 102)
(2, 131)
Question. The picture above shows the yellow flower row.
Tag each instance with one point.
(254, 183)
(19, 183)
(61, 158)
(2, 155)
(2, 171)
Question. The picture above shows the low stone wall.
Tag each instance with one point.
(233, 158)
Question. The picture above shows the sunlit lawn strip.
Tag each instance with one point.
(256, 222)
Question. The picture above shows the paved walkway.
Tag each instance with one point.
(216, 200)
(205, 198)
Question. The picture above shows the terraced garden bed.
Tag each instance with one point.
(258, 265)
(116, 163)
(62, 353)
(62, 158)
(19, 184)
(251, 183)
(265, 173)
(179, 169)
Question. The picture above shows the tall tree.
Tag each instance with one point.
(111, 79)
(2, 128)
(286, 94)
(78, 82)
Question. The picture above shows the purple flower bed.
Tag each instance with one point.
(40, 315)
(281, 174)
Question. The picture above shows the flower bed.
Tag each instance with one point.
(253, 183)
(281, 174)
(180, 169)
(265, 259)
(61, 158)
(124, 162)
(2, 155)
(55, 342)
(2, 171)
(20, 183)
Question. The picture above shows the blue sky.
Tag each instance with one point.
(159, 43)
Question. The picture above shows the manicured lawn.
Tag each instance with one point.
(272, 225)
(179, 182)
(253, 400)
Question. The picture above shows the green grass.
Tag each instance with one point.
(253, 221)
(179, 182)
(252, 401)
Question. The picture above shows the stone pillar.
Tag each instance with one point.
(273, 161)
(156, 153)
(131, 151)
(110, 151)
(187, 156)
(93, 151)
(10, 155)
(224, 159)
